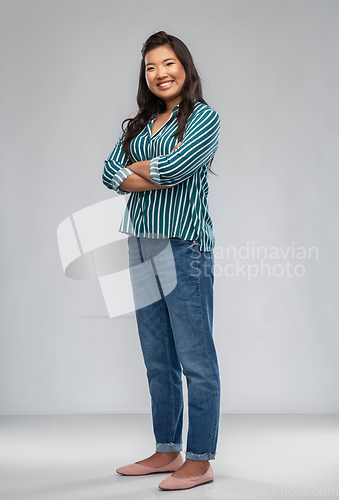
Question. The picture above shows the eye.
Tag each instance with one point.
(169, 63)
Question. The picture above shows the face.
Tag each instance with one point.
(164, 73)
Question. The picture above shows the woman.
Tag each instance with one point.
(162, 159)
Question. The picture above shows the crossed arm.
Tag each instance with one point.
(135, 182)
(141, 179)
(198, 146)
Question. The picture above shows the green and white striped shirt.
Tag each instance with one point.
(180, 211)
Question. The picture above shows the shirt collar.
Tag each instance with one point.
(173, 109)
(177, 106)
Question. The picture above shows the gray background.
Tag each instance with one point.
(68, 78)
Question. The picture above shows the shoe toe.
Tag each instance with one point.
(177, 483)
(140, 469)
(131, 469)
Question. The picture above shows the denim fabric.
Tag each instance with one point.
(176, 335)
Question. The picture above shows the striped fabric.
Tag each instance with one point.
(180, 211)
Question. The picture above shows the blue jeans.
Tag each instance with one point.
(175, 326)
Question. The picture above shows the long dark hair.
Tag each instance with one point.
(150, 104)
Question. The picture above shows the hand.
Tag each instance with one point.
(175, 147)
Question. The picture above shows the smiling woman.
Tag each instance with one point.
(165, 75)
(162, 159)
(165, 78)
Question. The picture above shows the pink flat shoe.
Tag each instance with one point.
(177, 483)
(140, 469)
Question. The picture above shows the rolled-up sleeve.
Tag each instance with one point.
(115, 170)
(199, 145)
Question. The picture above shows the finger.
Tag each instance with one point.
(176, 146)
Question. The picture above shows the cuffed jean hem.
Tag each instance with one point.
(168, 447)
(203, 456)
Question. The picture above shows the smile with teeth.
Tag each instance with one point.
(165, 84)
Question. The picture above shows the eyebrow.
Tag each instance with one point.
(169, 59)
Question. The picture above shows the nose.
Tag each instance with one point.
(161, 73)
